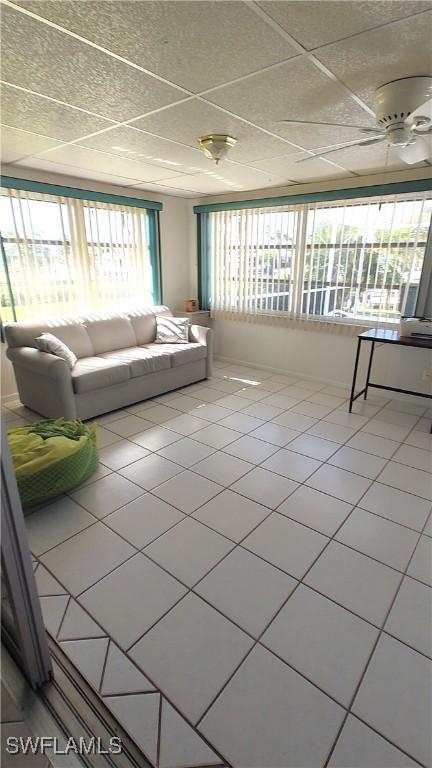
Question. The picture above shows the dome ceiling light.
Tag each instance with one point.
(216, 145)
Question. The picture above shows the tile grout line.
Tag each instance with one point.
(283, 605)
(68, 601)
(228, 538)
(156, 690)
(104, 665)
(159, 727)
(385, 738)
(226, 488)
(257, 640)
(381, 630)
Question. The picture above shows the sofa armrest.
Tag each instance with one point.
(201, 334)
(42, 363)
(44, 382)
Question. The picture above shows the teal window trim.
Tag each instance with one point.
(153, 234)
(81, 194)
(203, 244)
(419, 185)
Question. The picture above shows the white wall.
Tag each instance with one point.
(175, 250)
(175, 243)
(320, 355)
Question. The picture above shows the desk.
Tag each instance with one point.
(384, 337)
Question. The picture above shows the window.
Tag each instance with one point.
(354, 261)
(253, 253)
(62, 254)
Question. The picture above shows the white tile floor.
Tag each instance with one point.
(247, 579)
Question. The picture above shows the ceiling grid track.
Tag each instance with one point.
(181, 171)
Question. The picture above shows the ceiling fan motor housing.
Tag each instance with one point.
(396, 101)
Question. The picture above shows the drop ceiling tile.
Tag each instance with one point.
(185, 122)
(314, 169)
(365, 62)
(246, 176)
(33, 113)
(159, 36)
(198, 184)
(320, 23)
(130, 143)
(79, 158)
(74, 173)
(16, 144)
(228, 178)
(296, 90)
(165, 190)
(48, 166)
(73, 72)
(318, 136)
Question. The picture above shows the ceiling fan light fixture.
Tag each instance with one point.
(216, 145)
(415, 152)
(400, 136)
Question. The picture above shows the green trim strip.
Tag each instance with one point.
(153, 239)
(419, 185)
(159, 258)
(81, 194)
(203, 243)
(8, 280)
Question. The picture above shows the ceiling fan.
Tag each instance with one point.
(403, 111)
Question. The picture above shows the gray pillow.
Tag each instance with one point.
(47, 342)
(172, 330)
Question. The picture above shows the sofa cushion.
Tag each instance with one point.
(144, 324)
(143, 320)
(75, 336)
(92, 373)
(182, 353)
(71, 333)
(115, 332)
(141, 360)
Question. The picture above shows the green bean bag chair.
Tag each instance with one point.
(52, 457)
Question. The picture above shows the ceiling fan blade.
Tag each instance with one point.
(424, 111)
(414, 153)
(359, 143)
(332, 125)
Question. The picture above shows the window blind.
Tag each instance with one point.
(61, 254)
(253, 260)
(351, 262)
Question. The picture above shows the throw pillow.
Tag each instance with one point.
(47, 342)
(172, 330)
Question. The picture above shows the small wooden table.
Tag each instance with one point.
(200, 317)
(384, 337)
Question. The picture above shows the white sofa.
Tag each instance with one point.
(118, 362)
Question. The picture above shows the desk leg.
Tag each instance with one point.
(355, 374)
(369, 369)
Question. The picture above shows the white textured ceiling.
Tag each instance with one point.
(119, 90)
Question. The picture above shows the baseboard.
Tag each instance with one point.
(284, 371)
(9, 398)
(331, 382)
